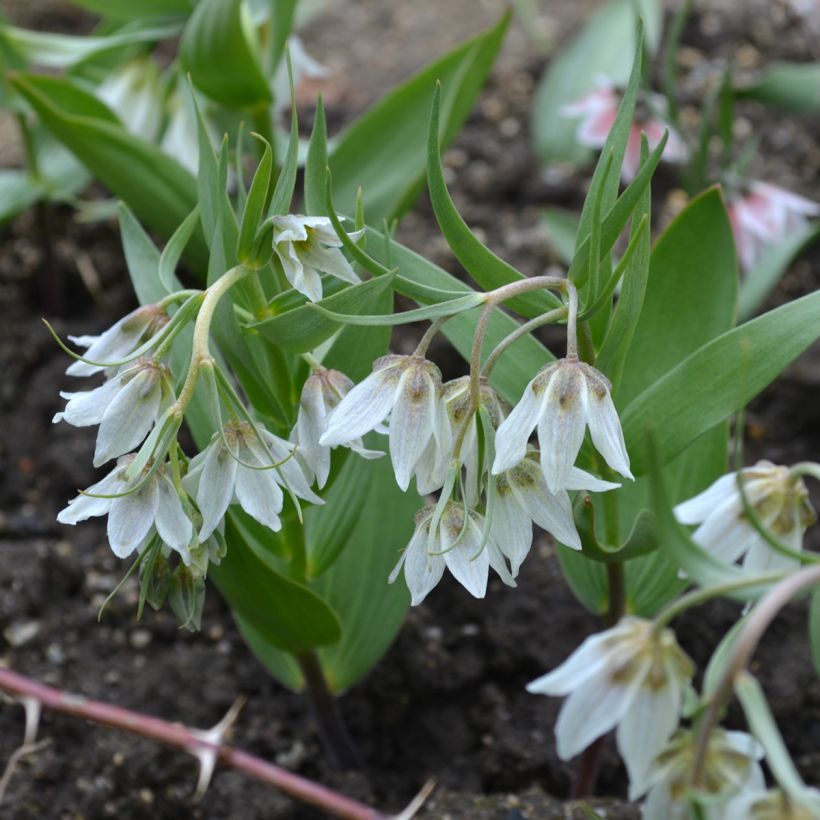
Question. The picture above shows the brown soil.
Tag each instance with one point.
(448, 699)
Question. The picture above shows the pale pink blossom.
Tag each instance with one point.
(766, 215)
(597, 111)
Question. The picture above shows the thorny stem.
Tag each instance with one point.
(202, 329)
(188, 740)
(748, 638)
(522, 330)
(332, 731)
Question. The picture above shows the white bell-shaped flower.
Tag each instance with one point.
(119, 341)
(523, 498)
(457, 546)
(134, 516)
(729, 771)
(774, 804)
(563, 400)
(781, 502)
(126, 407)
(308, 246)
(631, 676)
(408, 390)
(321, 394)
(248, 466)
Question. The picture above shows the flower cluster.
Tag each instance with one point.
(597, 111)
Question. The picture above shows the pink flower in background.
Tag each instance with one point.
(765, 216)
(597, 111)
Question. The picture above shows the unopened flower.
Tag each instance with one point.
(522, 498)
(408, 390)
(132, 92)
(781, 502)
(774, 804)
(134, 514)
(321, 393)
(307, 246)
(598, 111)
(126, 407)
(631, 676)
(766, 215)
(248, 466)
(563, 399)
(457, 546)
(729, 770)
(119, 341)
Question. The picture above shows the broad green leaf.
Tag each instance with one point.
(793, 86)
(384, 150)
(480, 262)
(287, 615)
(219, 51)
(561, 228)
(18, 191)
(136, 9)
(159, 191)
(303, 328)
(282, 665)
(606, 46)
(64, 50)
(759, 282)
(720, 378)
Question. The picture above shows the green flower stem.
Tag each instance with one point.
(430, 334)
(745, 645)
(808, 468)
(202, 329)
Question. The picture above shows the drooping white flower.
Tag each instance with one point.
(119, 341)
(759, 804)
(598, 111)
(781, 502)
(562, 400)
(133, 93)
(126, 407)
(766, 215)
(133, 517)
(631, 676)
(408, 390)
(321, 394)
(729, 771)
(238, 468)
(523, 498)
(307, 246)
(457, 546)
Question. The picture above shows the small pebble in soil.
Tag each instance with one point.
(140, 638)
(21, 632)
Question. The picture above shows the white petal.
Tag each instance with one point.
(422, 571)
(130, 519)
(469, 567)
(514, 432)
(552, 512)
(605, 430)
(562, 424)
(130, 416)
(216, 487)
(763, 557)
(411, 421)
(289, 472)
(113, 345)
(309, 428)
(591, 711)
(511, 530)
(330, 260)
(173, 526)
(86, 506)
(88, 407)
(498, 563)
(698, 508)
(363, 408)
(306, 280)
(260, 496)
(725, 533)
(579, 479)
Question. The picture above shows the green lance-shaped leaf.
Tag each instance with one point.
(304, 328)
(448, 308)
(605, 47)
(136, 9)
(255, 205)
(814, 629)
(793, 86)
(220, 52)
(65, 50)
(383, 151)
(719, 379)
(761, 280)
(159, 191)
(316, 164)
(283, 192)
(480, 262)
